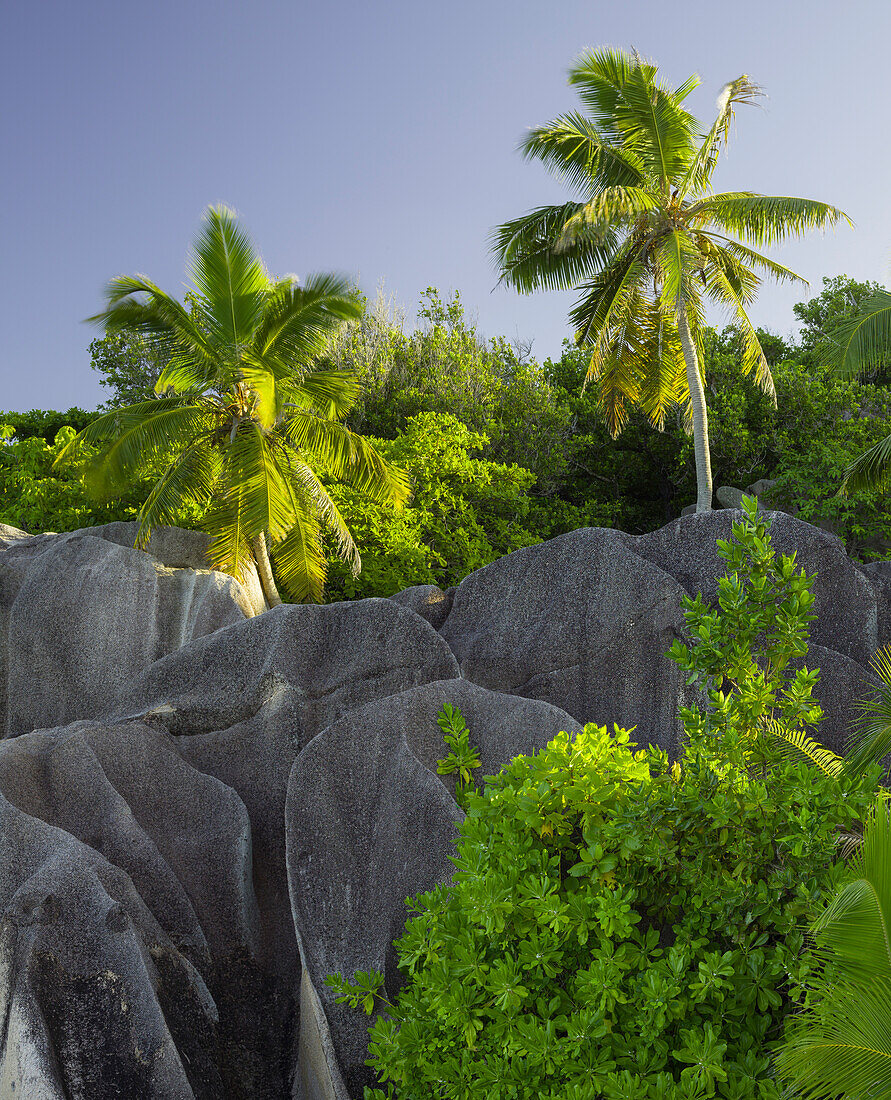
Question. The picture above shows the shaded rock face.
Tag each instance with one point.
(204, 811)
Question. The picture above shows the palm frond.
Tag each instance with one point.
(348, 456)
(863, 344)
(300, 565)
(129, 438)
(137, 305)
(679, 260)
(604, 297)
(870, 738)
(618, 366)
(871, 471)
(298, 322)
(765, 219)
(192, 476)
(741, 90)
(606, 214)
(797, 744)
(230, 278)
(528, 258)
(655, 125)
(330, 393)
(840, 1045)
(663, 384)
(574, 149)
(731, 283)
(754, 259)
(307, 487)
(268, 504)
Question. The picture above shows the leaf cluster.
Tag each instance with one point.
(462, 758)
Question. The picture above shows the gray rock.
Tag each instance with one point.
(842, 681)
(728, 496)
(84, 970)
(9, 536)
(847, 607)
(124, 801)
(878, 573)
(428, 601)
(368, 825)
(254, 759)
(126, 792)
(582, 622)
(177, 548)
(336, 657)
(82, 617)
(761, 489)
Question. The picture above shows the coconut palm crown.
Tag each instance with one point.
(647, 242)
(245, 421)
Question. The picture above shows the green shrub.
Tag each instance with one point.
(464, 513)
(621, 925)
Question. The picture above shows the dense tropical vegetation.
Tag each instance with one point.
(503, 451)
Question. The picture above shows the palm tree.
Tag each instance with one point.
(862, 346)
(647, 242)
(840, 1046)
(244, 423)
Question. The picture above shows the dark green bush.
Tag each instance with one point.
(626, 927)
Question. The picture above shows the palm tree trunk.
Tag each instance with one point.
(264, 569)
(699, 412)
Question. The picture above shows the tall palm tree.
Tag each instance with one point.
(245, 422)
(647, 242)
(862, 346)
(840, 1045)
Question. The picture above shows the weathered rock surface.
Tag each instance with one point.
(204, 811)
(335, 658)
(582, 622)
(428, 601)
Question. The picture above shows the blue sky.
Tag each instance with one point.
(379, 140)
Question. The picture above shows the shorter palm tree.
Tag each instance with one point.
(245, 422)
(840, 1045)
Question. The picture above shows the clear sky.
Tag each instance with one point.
(379, 139)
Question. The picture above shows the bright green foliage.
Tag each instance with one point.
(36, 497)
(741, 653)
(445, 366)
(840, 1045)
(464, 513)
(45, 423)
(130, 366)
(625, 927)
(462, 758)
(870, 739)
